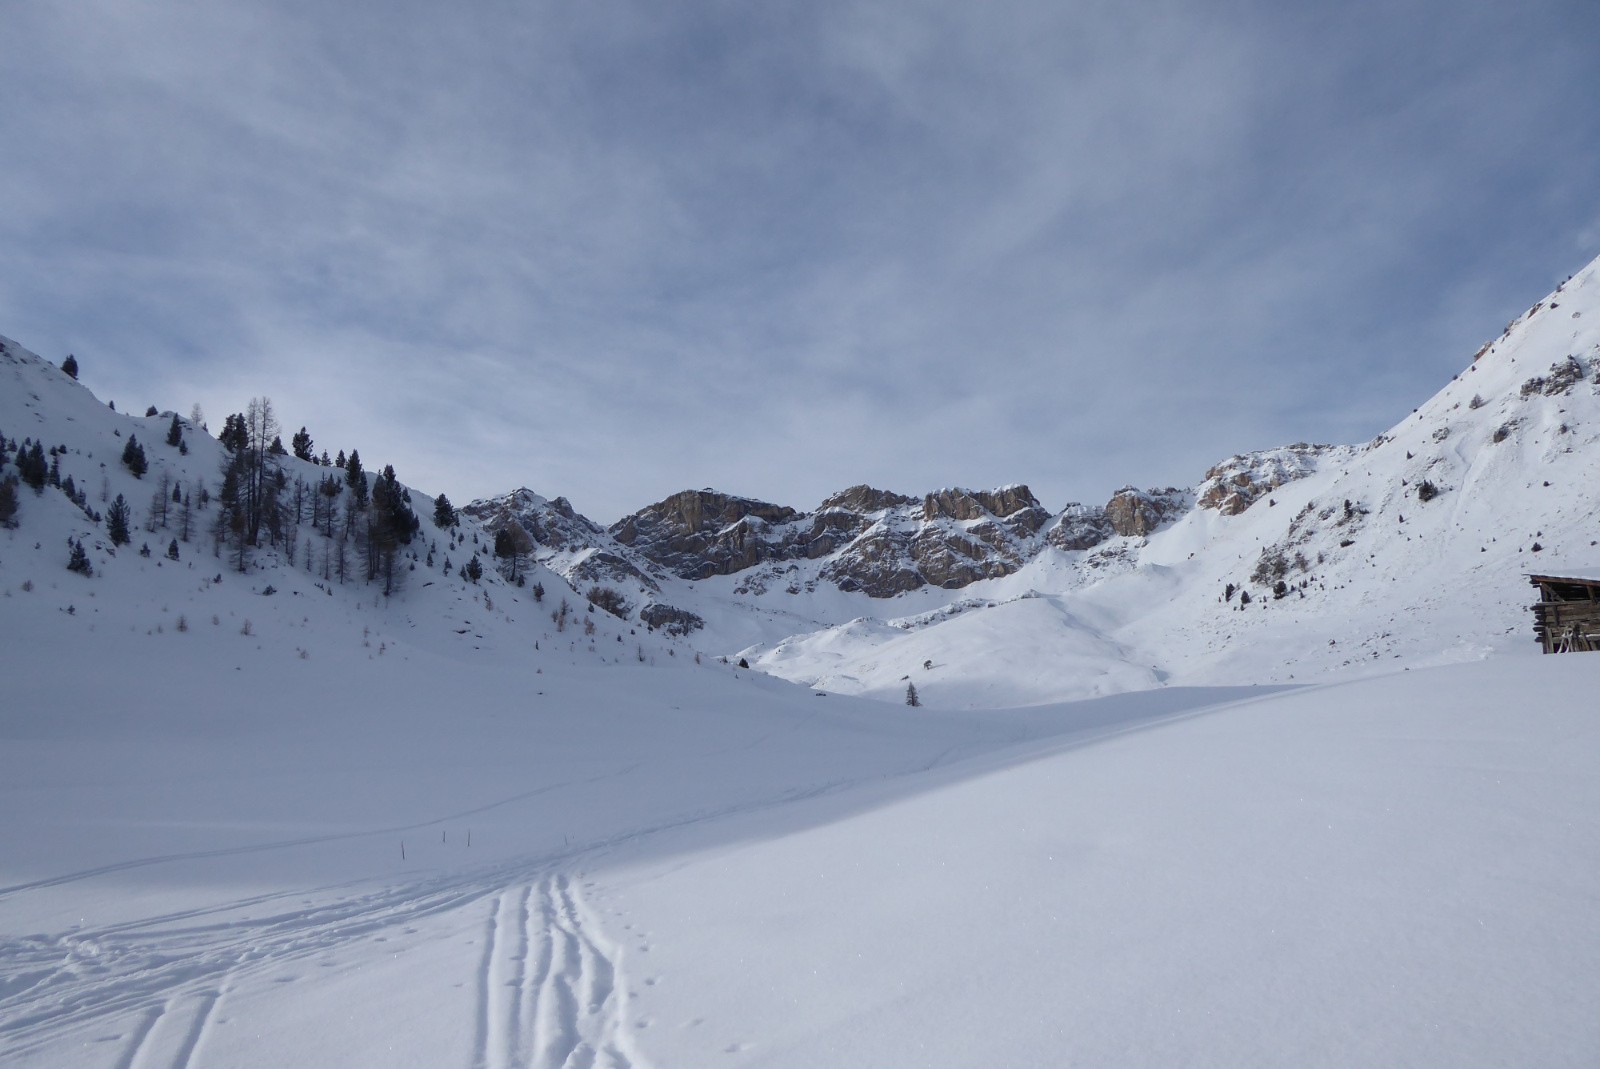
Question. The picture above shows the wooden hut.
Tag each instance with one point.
(1567, 617)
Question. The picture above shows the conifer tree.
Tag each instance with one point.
(161, 501)
(391, 525)
(175, 432)
(235, 435)
(70, 365)
(117, 522)
(78, 560)
(512, 545)
(185, 517)
(32, 466)
(356, 479)
(301, 444)
(133, 457)
(911, 695)
(444, 513)
(8, 501)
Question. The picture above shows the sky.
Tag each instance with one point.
(614, 249)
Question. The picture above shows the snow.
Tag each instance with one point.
(438, 829)
(676, 866)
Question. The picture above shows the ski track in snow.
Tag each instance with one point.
(161, 966)
(180, 1025)
(550, 991)
(551, 994)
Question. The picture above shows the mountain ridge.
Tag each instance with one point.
(1407, 547)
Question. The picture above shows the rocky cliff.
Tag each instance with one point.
(864, 539)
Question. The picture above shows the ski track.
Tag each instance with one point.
(550, 988)
(173, 1033)
(541, 942)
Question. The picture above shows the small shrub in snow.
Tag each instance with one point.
(1426, 491)
(247, 629)
(610, 600)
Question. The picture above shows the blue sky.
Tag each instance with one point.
(611, 249)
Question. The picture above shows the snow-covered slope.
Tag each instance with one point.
(1410, 550)
(266, 817)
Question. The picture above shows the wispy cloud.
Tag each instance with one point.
(614, 249)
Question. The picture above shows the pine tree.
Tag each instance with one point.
(8, 501)
(175, 432)
(276, 448)
(32, 466)
(133, 457)
(70, 365)
(235, 434)
(161, 501)
(172, 549)
(185, 517)
(444, 513)
(79, 560)
(392, 524)
(911, 696)
(472, 569)
(117, 522)
(512, 545)
(301, 444)
(356, 479)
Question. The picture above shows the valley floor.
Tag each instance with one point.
(678, 867)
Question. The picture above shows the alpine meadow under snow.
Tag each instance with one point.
(314, 769)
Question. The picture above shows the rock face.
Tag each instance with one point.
(565, 541)
(672, 620)
(1079, 527)
(700, 533)
(864, 539)
(1238, 482)
(1134, 513)
(552, 524)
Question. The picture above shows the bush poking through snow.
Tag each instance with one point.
(610, 600)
